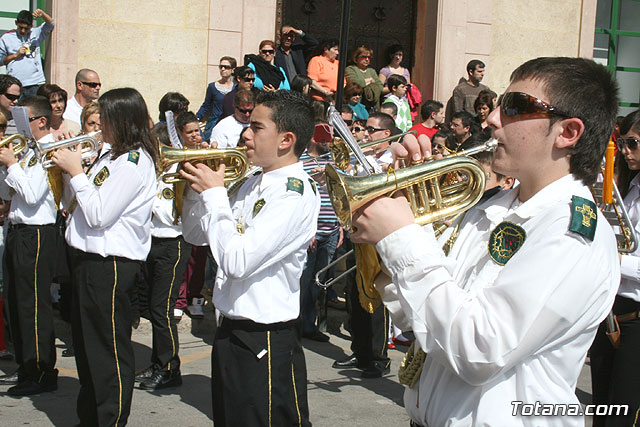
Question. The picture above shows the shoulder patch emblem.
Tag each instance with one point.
(505, 240)
(258, 206)
(167, 193)
(583, 217)
(101, 177)
(32, 161)
(313, 186)
(294, 184)
(134, 156)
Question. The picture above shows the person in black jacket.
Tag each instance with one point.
(290, 56)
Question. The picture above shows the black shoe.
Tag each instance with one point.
(144, 374)
(348, 363)
(10, 379)
(317, 336)
(162, 379)
(48, 382)
(376, 371)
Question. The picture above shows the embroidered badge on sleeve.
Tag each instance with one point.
(101, 177)
(505, 240)
(134, 156)
(584, 217)
(258, 206)
(294, 184)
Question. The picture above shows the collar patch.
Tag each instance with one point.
(294, 184)
(32, 161)
(505, 240)
(584, 217)
(258, 206)
(167, 193)
(101, 177)
(313, 185)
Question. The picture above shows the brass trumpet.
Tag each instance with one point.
(17, 148)
(234, 159)
(89, 143)
(429, 199)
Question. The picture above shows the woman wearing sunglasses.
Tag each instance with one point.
(211, 108)
(615, 373)
(268, 76)
(365, 77)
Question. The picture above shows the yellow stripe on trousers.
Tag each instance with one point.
(113, 331)
(173, 278)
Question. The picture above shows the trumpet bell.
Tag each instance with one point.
(430, 199)
(89, 147)
(235, 161)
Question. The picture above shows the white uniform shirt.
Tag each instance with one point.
(630, 264)
(227, 132)
(26, 184)
(113, 216)
(258, 270)
(496, 334)
(162, 220)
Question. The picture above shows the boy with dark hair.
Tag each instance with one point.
(432, 113)
(20, 50)
(259, 239)
(506, 319)
(29, 260)
(397, 85)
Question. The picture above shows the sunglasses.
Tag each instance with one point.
(522, 104)
(92, 84)
(245, 111)
(357, 129)
(348, 122)
(225, 67)
(365, 56)
(11, 97)
(371, 129)
(632, 143)
(3, 127)
(267, 51)
(34, 118)
(247, 79)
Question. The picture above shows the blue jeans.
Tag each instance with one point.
(316, 260)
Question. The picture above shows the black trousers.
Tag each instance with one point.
(164, 269)
(101, 324)
(369, 331)
(28, 270)
(258, 375)
(615, 373)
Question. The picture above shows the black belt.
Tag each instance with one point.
(251, 326)
(20, 226)
(82, 255)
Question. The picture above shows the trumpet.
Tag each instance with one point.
(429, 199)
(234, 159)
(17, 148)
(89, 143)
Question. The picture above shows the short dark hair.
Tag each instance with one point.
(24, 17)
(391, 50)
(395, 80)
(580, 88)
(38, 106)
(242, 71)
(465, 117)
(352, 88)
(6, 81)
(449, 140)
(299, 81)
(483, 99)
(50, 89)
(391, 106)
(243, 97)
(430, 106)
(124, 113)
(631, 122)
(473, 64)
(185, 118)
(291, 112)
(385, 121)
(329, 43)
(172, 101)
